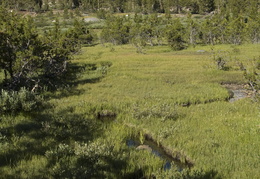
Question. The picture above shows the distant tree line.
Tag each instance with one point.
(154, 29)
(144, 6)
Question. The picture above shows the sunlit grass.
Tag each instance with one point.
(176, 97)
(219, 135)
(185, 76)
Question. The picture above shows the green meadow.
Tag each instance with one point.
(150, 92)
(177, 98)
(147, 89)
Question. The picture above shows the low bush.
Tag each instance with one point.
(19, 101)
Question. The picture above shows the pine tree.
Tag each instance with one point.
(206, 6)
(29, 59)
(175, 35)
(236, 30)
(193, 30)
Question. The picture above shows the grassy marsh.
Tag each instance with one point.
(217, 135)
(176, 97)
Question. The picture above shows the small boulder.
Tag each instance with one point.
(144, 147)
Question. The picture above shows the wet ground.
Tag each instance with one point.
(154, 149)
(238, 92)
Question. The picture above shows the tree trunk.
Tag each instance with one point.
(5, 72)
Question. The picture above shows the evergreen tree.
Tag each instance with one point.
(253, 30)
(206, 6)
(236, 30)
(211, 31)
(193, 30)
(29, 59)
(175, 34)
(116, 31)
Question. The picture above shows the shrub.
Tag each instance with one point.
(19, 101)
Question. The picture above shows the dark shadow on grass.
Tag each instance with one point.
(78, 74)
(90, 80)
(46, 128)
(66, 85)
(44, 131)
(134, 175)
(210, 174)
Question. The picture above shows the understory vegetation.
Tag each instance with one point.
(129, 95)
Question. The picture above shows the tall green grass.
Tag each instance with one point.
(175, 97)
(214, 133)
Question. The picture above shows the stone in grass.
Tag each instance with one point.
(91, 19)
(201, 51)
(144, 147)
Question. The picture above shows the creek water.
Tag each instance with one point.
(157, 151)
(237, 94)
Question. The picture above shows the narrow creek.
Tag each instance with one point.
(158, 151)
(237, 95)
(237, 92)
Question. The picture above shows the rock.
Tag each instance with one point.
(144, 147)
(231, 93)
(91, 19)
(201, 51)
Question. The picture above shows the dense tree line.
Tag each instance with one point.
(227, 21)
(144, 6)
(154, 29)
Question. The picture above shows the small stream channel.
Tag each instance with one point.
(237, 92)
(237, 95)
(157, 151)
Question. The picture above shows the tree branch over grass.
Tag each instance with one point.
(29, 59)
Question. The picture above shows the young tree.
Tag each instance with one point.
(236, 30)
(206, 6)
(210, 31)
(29, 59)
(19, 39)
(253, 29)
(116, 31)
(193, 30)
(175, 34)
(79, 34)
